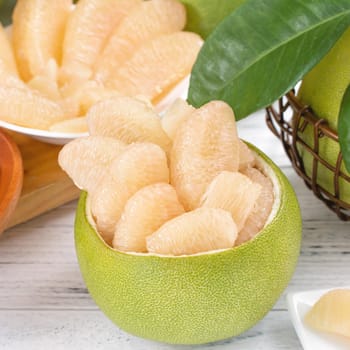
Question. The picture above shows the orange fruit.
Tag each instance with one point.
(87, 159)
(7, 58)
(197, 231)
(205, 145)
(146, 21)
(74, 126)
(261, 211)
(26, 108)
(175, 115)
(146, 211)
(37, 34)
(140, 165)
(246, 156)
(88, 28)
(233, 192)
(331, 313)
(127, 119)
(158, 65)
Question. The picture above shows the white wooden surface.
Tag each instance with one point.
(45, 305)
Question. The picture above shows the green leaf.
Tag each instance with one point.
(263, 49)
(204, 15)
(344, 128)
(6, 7)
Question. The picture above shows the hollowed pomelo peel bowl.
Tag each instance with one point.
(198, 298)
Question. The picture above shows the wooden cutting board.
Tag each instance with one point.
(45, 185)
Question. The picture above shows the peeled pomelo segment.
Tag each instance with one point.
(261, 211)
(204, 146)
(74, 125)
(8, 32)
(37, 34)
(91, 95)
(127, 119)
(246, 156)
(26, 108)
(146, 21)
(331, 313)
(45, 86)
(10, 80)
(197, 231)
(175, 115)
(140, 165)
(83, 94)
(158, 65)
(144, 213)
(87, 30)
(45, 83)
(7, 58)
(87, 159)
(233, 192)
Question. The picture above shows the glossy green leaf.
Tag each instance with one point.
(263, 49)
(344, 128)
(6, 8)
(204, 15)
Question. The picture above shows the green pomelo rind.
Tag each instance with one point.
(204, 15)
(322, 89)
(193, 299)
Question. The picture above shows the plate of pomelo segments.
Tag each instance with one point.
(299, 304)
(11, 178)
(90, 52)
(61, 138)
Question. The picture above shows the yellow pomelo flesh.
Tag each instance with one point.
(127, 119)
(323, 90)
(87, 30)
(262, 208)
(233, 192)
(24, 107)
(7, 58)
(140, 165)
(197, 231)
(37, 33)
(144, 213)
(174, 116)
(158, 65)
(45, 86)
(199, 298)
(246, 156)
(87, 159)
(147, 20)
(205, 145)
(331, 313)
(74, 125)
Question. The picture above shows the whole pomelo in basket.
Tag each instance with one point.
(322, 89)
(197, 298)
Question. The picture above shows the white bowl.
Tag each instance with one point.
(55, 138)
(61, 138)
(299, 304)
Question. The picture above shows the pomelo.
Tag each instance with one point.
(322, 89)
(204, 15)
(200, 298)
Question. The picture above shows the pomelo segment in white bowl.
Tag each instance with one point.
(198, 298)
(91, 51)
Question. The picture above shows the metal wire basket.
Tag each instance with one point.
(287, 119)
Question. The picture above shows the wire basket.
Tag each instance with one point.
(287, 119)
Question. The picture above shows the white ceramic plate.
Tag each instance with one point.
(61, 138)
(298, 305)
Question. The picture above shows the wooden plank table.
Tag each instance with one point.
(44, 303)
